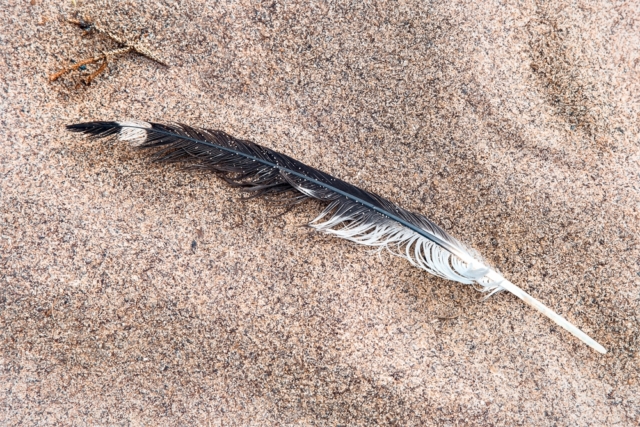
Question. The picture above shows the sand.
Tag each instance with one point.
(133, 293)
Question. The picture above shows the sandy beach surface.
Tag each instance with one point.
(133, 293)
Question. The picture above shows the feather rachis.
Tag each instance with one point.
(352, 213)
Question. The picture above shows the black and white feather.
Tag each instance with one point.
(351, 213)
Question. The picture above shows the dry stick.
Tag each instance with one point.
(134, 46)
(95, 74)
(56, 76)
(105, 57)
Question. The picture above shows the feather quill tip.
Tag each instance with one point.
(555, 317)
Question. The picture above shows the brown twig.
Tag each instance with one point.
(56, 76)
(95, 74)
(89, 26)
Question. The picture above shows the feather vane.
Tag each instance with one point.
(351, 212)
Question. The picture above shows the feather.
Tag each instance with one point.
(351, 213)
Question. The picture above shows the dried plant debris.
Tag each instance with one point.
(125, 46)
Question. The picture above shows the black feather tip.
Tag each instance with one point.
(96, 129)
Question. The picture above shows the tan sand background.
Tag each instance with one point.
(512, 124)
